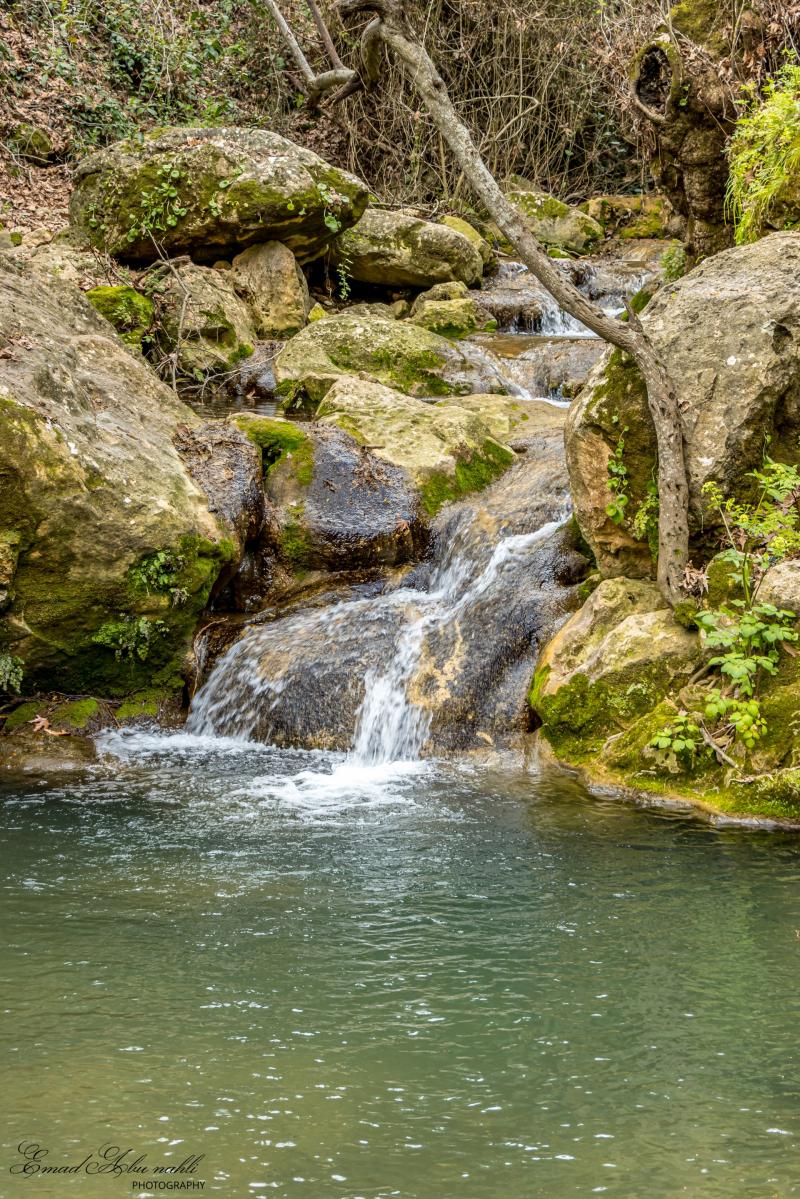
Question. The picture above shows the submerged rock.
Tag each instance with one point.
(395, 353)
(730, 336)
(232, 188)
(397, 249)
(110, 547)
(446, 450)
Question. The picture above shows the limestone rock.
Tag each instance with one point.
(202, 317)
(509, 418)
(337, 505)
(397, 249)
(781, 586)
(112, 549)
(554, 223)
(629, 217)
(469, 231)
(395, 353)
(613, 660)
(274, 288)
(233, 188)
(730, 335)
(446, 450)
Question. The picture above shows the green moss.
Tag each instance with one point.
(281, 443)
(140, 705)
(295, 540)
(471, 474)
(76, 715)
(704, 22)
(131, 313)
(21, 715)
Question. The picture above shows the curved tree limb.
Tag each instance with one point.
(673, 488)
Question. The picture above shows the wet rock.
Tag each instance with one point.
(338, 506)
(226, 465)
(37, 753)
(546, 366)
(93, 495)
(201, 318)
(730, 335)
(447, 451)
(233, 188)
(274, 288)
(397, 249)
(395, 353)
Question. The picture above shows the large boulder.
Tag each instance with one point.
(398, 249)
(729, 333)
(211, 192)
(337, 506)
(630, 218)
(396, 353)
(555, 224)
(614, 660)
(447, 451)
(108, 546)
(201, 318)
(269, 280)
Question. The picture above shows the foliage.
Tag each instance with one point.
(673, 263)
(11, 672)
(745, 635)
(765, 153)
(157, 574)
(618, 481)
(681, 738)
(762, 534)
(645, 522)
(130, 637)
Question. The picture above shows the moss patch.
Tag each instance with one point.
(131, 313)
(471, 474)
(280, 443)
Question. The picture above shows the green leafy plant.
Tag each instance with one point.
(673, 263)
(130, 637)
(618, 481)
(11, 672)
(160, 207)
(157, 574)
(736, 717)
(645, 522)
(764, 153)
(749, 636)
(680, 741)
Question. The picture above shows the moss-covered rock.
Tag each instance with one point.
(130, 312)
(629, 217)
(553, 223)
(472, 234)
(91, 488)
(31, 142)
(509, 418)
(397, 249)
(612, 661)
(274, 288)
(396, 353)
(729, 333)
(447, 451)
(211, 192)
(201, 319)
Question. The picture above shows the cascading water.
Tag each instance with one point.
(267, 671)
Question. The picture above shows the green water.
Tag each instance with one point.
(453, 983)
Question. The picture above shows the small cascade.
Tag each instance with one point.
(390, 676)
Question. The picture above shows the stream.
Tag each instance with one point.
(384, 965)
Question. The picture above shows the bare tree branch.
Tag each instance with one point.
(327, 40)
(673, 489)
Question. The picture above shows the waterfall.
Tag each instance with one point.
(469, 578)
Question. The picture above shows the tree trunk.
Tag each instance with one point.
(673, 489)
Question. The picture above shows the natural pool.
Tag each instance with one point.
(430, 982)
